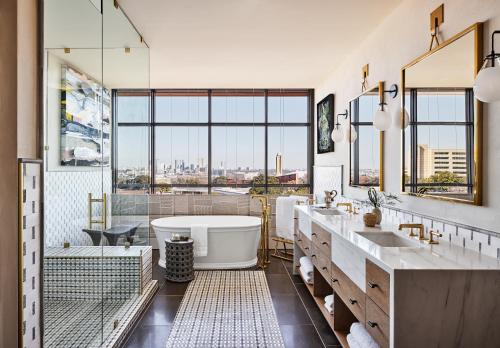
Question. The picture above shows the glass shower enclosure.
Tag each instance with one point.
(95, 275)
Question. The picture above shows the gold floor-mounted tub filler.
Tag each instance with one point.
(263, 253)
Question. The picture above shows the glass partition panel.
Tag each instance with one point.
(77, 108)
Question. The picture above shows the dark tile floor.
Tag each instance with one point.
(300, 320)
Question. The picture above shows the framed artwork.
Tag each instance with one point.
(85, 120)
(325, 123)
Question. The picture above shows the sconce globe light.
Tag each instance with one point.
(337, 135)
(382, 120)
(397, 118)
(351, 135)
(487, 84)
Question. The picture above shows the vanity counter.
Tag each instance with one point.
(442, 256)
(405, 292)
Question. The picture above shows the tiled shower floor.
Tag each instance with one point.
(78, 323)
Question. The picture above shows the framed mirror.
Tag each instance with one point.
(441, 121)
(366, 150)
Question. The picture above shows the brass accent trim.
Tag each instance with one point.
(263, 255)
(67, 50)
(127, 49)
(381, 186)
(437, 17)
(104, 210)
(477, 187)
(365, 71)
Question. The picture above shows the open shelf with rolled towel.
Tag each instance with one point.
(341, 301)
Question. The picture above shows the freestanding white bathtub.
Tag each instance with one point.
(232, 239)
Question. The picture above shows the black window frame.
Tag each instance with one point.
(152, 124)
(413, 186)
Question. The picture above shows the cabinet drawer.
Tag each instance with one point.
(322, 239)
(353, 297)
(304, 243)
(321, 263)
(377, 323)
(378, 285)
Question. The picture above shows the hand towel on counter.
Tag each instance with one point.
(199, 234)
(285, 217)
(306, 276)
(306, 265)
(362, 336)
(351, 341)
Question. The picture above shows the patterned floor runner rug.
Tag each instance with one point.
(226, 309)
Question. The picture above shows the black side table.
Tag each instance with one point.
(179, 260)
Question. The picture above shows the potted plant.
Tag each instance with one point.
(377, 199)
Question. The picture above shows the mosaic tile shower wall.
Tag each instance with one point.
(30, 243)
(66, 204)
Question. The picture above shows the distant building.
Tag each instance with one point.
(279, 164)
(435, 161)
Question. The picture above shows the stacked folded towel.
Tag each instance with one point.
(329, 303)
(360, 338)
(306, 269)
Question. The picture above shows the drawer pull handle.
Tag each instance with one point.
(334, 280)
(325, 243)
(313, 255)
(372, 285)
(352, 301)
(313, 234)
(307, 248)
(324, 268)
(372, 324)
(299, 240)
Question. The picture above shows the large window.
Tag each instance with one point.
(212, 141)
(439, 142)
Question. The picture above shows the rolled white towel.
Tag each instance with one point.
(351, 341)
(306, 264)
(306, 276)
(362, 336)
(329, 299)
(328, 307)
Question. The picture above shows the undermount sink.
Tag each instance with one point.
(387, 239)
(328, 211)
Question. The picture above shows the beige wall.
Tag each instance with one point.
(27, 88)
(8, 173)
(401, 37)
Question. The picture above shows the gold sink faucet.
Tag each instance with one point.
(347, 204)
(431, 240)
(420, 227)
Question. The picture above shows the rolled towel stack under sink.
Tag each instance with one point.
(306, 269)
(360, 338)
(329, 303)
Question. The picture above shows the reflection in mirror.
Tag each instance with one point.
(441, 145)
(365, 151)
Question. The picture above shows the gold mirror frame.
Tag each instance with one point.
(477, 188)
(380, 187)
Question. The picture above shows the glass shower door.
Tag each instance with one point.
(74, 158)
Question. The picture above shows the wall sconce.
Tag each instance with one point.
(382, 118)
(351, 135)
(337, 134)
(487, 84)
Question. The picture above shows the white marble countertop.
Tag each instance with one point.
(442, 256)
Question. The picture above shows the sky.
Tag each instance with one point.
(234, 146)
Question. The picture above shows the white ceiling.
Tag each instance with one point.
(251, 43)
